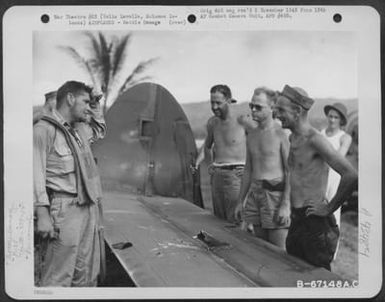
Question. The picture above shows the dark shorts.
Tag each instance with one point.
(313, 238)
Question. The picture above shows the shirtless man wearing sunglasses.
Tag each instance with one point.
(264, 199)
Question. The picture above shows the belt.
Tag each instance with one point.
(279, 187)
(229, 167)
(54, 194)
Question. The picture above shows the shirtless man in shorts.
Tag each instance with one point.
(265, 181)
(313, 233)
(225, 145)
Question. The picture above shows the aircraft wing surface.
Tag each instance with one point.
(178, 244)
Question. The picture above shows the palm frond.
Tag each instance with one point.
(105, 62)
(143, 65)
(103, 43)
(93, 74)
(114, 43)
(74, 54)
(138, 70)
(83, 63)
(95, 47)
(134, 82)
(120, 53)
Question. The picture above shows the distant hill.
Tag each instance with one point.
(199, 113)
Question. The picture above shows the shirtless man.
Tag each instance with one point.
(313, 232)
(265, 180)
(225, 146)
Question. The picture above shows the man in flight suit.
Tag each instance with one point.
(67, 190)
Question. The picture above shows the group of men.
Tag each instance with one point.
(275, 182)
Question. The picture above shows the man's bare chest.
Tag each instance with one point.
(264, 144)
(302, 155)
(229, 133)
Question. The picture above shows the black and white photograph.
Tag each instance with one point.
(223, 158)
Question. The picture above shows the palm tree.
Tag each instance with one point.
(105, 65)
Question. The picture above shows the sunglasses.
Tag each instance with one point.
(256, 107)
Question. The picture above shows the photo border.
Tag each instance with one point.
(376, 4)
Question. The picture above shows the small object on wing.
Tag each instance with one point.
(210, 240)
(122, 245)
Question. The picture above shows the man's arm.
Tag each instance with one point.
(95, 128)
(42, 142)
(245, 184)
(97, 122)
(349, 178)
(246, 178)
(201, 156)
(205, 150)
(247, 122)
(283, 214)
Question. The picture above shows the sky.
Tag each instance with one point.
(190, 63)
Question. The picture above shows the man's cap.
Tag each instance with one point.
(50, 95)
(298, 96)
(340, 108)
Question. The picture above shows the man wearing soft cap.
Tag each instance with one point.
(225, 148)
(313, 233)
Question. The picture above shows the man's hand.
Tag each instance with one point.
(45, 228)
(247, 227)
(44, 225)
(317, 208)
(210, 169)
(194, 169)
(238, 211)
(96, 100)
(283, 215)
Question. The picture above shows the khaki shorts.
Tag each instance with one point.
(262, 205)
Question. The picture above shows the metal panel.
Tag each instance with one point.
(165, 252)
(144, 151)
(161, 255)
